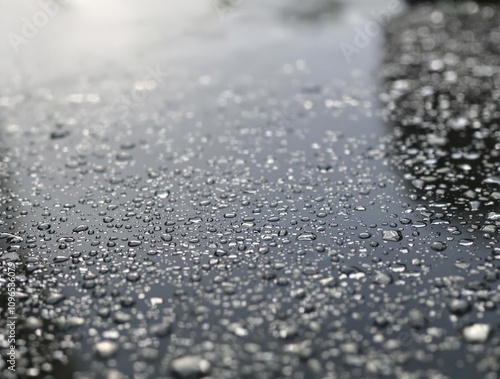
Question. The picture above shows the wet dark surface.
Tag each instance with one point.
(259, 206)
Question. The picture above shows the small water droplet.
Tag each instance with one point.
(306, 236)
(162, 194)
(392, 235)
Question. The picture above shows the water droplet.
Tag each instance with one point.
(392, 235)
(54, 297)
(80, 228)
(438, 246)
(162, 194)
(106, 349)
(60, 259)
(382, 278)
(476, 333)
(465, 242)
(44, 226)
(492, 180)
(306, 236)
(459, 306)
(134, 243)
(189, 367)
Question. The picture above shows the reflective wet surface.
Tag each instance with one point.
(237, 189)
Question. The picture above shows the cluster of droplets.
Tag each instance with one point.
(297, 252)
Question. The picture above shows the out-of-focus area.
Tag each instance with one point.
(44, 40)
